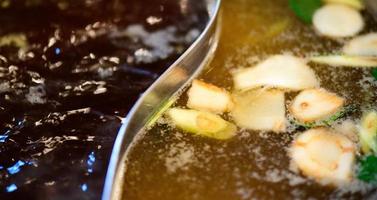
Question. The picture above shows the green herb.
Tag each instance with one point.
(374, 73)
(344, 112)
(329, 121)
(304, 125)
(368, 169)
(304, 9)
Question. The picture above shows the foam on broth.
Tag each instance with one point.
(170, 164)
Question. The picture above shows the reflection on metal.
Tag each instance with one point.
(11, 188)
(90, 162)
(84, 187)
(16, 167)
(3, 138)
(158, 96)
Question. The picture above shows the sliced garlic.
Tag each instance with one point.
(280, 71)
(337, 20)
(207, 97)
(315, 104)
(346, 61)
(364, 45)
(260, 110)
(348, 128)
(326, 156)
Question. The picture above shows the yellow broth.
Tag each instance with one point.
(168, 163)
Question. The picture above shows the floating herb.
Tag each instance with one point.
(374, 73)
(368, 169)
(330, 120)
(304, 9)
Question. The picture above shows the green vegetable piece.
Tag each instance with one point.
(374, 73)
(339, 115)
(202, 123)
(304, 9)
(330, 120)
(368, 132)
(368, 169)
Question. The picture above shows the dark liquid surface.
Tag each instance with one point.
(168, 163)
(69, 70)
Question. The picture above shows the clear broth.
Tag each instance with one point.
(170, 164)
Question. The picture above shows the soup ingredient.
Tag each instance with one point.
(365, 45)
(374, 73)
(337, 21)
(368, 132)
(357, 4)
(324, 155)
(339, 115)
(345, 111)
(280, 71)
(348, 128)
(315, 104)
(165, 105)
(260, 110)
(202, 123)
(368, 169)
(304, 9)
(207, 97)
(346, 61)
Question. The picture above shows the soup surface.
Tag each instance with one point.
(168, 163)
(69, 71)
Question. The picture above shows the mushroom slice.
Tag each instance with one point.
(260, 110)
(326, 156)
(346, 61)
(357, 4)
(337, 20)
(365, 45)
(207, 97)
(315, 104)
(202, 123)
(280, 71)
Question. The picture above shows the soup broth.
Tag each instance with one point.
(168, 163)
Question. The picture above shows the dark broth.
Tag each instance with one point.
(69, 71)
(170, 164)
